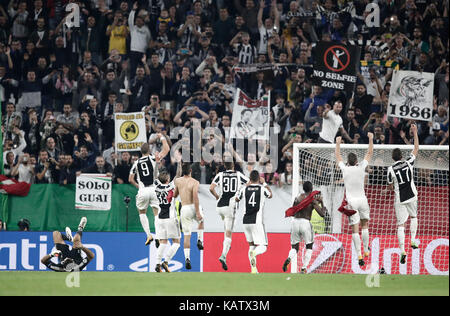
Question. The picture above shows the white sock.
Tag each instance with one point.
(308, 254)
(145, 224)
(365, 239)
(226, 246)
(413, 228)
(292, 253)
(200, 235)
(172, 251)
(250, 249)
(401, 238)
(187, 253)
(160, 252)
(357, 243)
(259, 250)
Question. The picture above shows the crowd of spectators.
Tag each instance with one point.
(173, 59)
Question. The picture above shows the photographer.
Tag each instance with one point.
(220, 97)
(45, 168)
(11, 146)
(153, 110)
(202, 102)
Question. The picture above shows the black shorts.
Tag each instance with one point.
(66, 252)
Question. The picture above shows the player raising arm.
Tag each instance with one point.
(354, 175)
(146, 171)
(229, 182)
(167, 226)
(400, 177)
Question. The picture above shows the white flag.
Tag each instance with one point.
(251, 118)
(93, 192)
(411, 95)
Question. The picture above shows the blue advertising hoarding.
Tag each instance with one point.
(22, 251)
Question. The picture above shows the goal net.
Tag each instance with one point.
(333, 250)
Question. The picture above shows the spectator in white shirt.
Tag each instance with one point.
(332, 123)
(140, 39)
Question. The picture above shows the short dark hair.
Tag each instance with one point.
(397, 154)
(186, 169)
(352, 159)
(228, 165)
(307, 186)
(254, 176)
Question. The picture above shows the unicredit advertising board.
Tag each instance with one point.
(113, 252)
(332, 253)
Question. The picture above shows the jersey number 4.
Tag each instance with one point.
(252, 199)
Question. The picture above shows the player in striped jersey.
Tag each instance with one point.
(400, 177)
(168, 226)
(229, 182)
(146, 170)
(254, 196)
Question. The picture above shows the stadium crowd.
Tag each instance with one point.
(60, 84)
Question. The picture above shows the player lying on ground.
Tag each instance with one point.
(69, 259)
(229, 183)
(401, 179)
(254, 196)
(354, 175)
(146, 171)
(187, 188)
(301, 228)
(167, 226)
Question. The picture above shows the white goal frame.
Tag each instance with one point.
(298, 146)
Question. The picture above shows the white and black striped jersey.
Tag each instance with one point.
(229, 182)
(164, 193)
(254, 197)
(401, 174)
(146, 171)
(247, 54)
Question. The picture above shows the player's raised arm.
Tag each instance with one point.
(369, 153)
(416, 140)
(337, 151)
(165, 148)
(318, 206)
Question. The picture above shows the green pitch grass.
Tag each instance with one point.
(217, 284)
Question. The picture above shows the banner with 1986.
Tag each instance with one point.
(411, 95)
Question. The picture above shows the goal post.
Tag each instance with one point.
(333, 251)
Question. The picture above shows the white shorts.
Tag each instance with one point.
(188, 217)
(403, 211)
(167, 228)
(301, 229)
(361, 206)
(256, 233)
(227, 213)
(145, 197)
